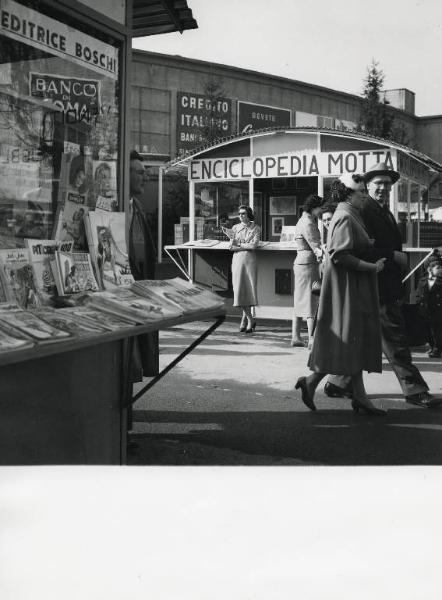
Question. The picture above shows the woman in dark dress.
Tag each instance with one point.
(347, 339)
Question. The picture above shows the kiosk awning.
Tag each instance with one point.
(151, 17)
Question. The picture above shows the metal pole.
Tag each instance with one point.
(160, 215)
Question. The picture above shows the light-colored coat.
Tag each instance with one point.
(348, 336)
(305, 266)
(244, 268)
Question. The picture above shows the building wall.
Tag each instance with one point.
(156, 79)
(429, 140)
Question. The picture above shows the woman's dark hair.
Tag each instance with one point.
(248, 210)
(339, 192)
(311, 202)
(328, 207)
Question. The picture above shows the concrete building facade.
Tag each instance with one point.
(177, 104)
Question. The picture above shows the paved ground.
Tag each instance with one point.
(232, 402)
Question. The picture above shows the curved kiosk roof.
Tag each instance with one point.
(302, 152)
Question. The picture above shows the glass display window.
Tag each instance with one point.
(59, 120)
(216, 206)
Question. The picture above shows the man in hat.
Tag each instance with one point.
(387, 243)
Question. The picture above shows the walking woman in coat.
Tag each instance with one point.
(244, 241)
(347, 339)
(306, 269)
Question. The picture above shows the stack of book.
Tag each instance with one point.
(150, 301)
(29, 326)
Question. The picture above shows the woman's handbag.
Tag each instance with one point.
(416, 325)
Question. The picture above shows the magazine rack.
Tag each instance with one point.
(66, 403)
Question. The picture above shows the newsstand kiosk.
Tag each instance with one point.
(64, 100)
(273, 171)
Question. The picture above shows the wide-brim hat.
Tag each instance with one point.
(381, 168)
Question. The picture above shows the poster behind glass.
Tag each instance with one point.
(58, 128)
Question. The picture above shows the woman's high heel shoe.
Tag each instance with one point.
(306, 398)
(242, 327)
(370, 410)
(251, 327)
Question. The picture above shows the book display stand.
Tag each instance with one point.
(66, 403)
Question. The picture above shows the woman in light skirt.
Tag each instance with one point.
(243, 243)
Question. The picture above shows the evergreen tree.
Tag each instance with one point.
(212, 117)
(375, 118)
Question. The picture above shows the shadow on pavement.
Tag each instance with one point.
(327, 437)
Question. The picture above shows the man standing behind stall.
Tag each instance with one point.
(387, 242)
(142, 260)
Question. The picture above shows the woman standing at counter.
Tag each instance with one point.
(244, 239)
(306, 268)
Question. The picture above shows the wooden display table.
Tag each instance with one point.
(66, 402)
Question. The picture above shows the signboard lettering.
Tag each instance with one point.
(293, 164)
(195, 112)
(28, 26)
(78, 98)
(259, 116)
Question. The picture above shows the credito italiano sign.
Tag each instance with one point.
(293, 164)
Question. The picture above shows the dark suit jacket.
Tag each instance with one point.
(142, 260)
(430, 300)
(142, 253)
(382, 227)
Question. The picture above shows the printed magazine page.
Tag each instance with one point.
(126, 303)
(73, 324)
(30, 324)
(106, 235)
(189, 296)
(75, 179)
(69, 224)
(12, 339)
(73, 273)
(105, 185)
(18, 277)
(107, 320)
(41, 255)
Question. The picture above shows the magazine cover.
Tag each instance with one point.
(107, 320)
(189, 296)
(73, 273)
(69, 224)
(75, 179)
(105, 185)
(63, 318)
(18, 278)
(41, 255)
(29, 323)
(106, 235)
(11, 339)
(128, 304)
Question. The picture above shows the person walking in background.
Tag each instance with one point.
(244, 240)
(429, 300)
(306, 269)
(347, 338)
(382, 228)
(325, 217)
(327, 212)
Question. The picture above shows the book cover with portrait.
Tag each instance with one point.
(105, 185)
